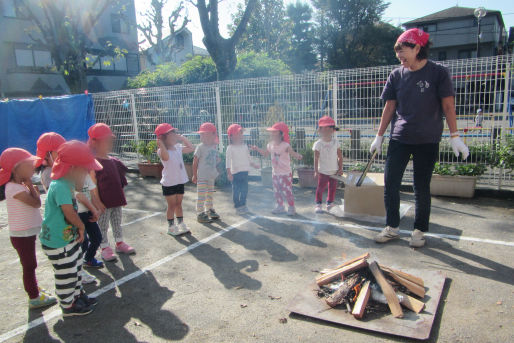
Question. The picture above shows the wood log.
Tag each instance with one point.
(340, 294)
(361, 257)
(411, 278)
(392, 299)
(411, 303)
(331, 276)
(362, 301)
(411, 286)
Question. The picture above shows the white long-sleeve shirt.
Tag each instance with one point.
(238, 158)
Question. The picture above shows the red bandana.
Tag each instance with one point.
(414, 36)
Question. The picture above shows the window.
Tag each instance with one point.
(107, 63)
(42, 58)
(441, 56)
(132, 63)
(179, 41)
(467, 54)
(9, 8)
(93, 62)
(24, 58)
(120, 64)
(428, 27)
(118, 25)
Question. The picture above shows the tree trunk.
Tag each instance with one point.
(76, 81)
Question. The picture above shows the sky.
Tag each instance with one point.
(399, 11)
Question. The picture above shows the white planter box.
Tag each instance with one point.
(453, 186)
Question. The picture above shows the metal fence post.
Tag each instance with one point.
(334, 98)
(218, 119)
(134, 122)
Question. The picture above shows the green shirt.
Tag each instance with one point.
(56, 232)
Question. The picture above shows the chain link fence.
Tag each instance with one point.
(350, 96)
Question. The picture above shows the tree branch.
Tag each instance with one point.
(244, 21)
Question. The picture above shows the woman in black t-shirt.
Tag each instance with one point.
(416, 96)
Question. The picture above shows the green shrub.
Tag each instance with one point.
(443, 169)
(188, 158)
(307, 155)
(470, 169)
(147, 150)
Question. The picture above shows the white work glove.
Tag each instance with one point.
(377, 144)
(459, 147)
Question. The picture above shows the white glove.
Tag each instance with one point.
(377, 144)
(459, 147)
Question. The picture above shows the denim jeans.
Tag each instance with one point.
(240, 189)
(92, 237)
(398, 155)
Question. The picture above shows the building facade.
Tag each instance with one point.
(453, 33)
(27, 69)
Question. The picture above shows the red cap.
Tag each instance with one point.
(414, 36)
(282, 127)
(233, 129)
(10, 158)
(100, 131)
(49, 141)
(326, 121)
(73, 153)
(208, 127)
(163, 129)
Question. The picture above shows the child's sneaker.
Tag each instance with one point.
(329, 207)
(291, 211)
(42, 300)
(87, 300)
(108, 255)
(173, 230)
(78, 308)
(417, 239)
(203, 218)
(124, 248)
(182, 228)
(318, 209)
(213, 215)
(278, 210)
(387, 234)
(94, 263)
(86, 277)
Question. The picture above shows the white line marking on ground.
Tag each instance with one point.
(405, 232)
(116, 283)
(136, 210)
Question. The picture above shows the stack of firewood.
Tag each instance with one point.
(356, 282)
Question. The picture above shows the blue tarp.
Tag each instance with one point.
(23, 121)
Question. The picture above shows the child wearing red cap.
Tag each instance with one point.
(23, 216)
(328, 161)
(205, 172)
(62, 231)
(47, 146)
(238, 164)
(282, 175)
(110, 182)
(174, 175)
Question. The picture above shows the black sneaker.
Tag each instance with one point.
(203, 218)
(213, 215)
(88, 300)
(78, 308)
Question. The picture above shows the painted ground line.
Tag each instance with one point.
(39, 254)
(116, 283)
(136, 210)
(378, 229)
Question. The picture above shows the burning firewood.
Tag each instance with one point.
(339, 296)
(362, 301)
(337, 273)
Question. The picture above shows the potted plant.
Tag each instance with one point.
(306, 170)
(188, 164)
(457, 181)
(151, 166)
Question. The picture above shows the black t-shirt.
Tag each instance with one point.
(418, 94)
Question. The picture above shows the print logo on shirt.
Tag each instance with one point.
(423, 85)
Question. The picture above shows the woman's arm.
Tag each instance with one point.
(188, 146)
(387, 116)
(32, 198)
(448, 104)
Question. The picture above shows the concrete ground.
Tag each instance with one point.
(232, 281)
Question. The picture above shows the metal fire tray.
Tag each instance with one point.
(412, 325)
